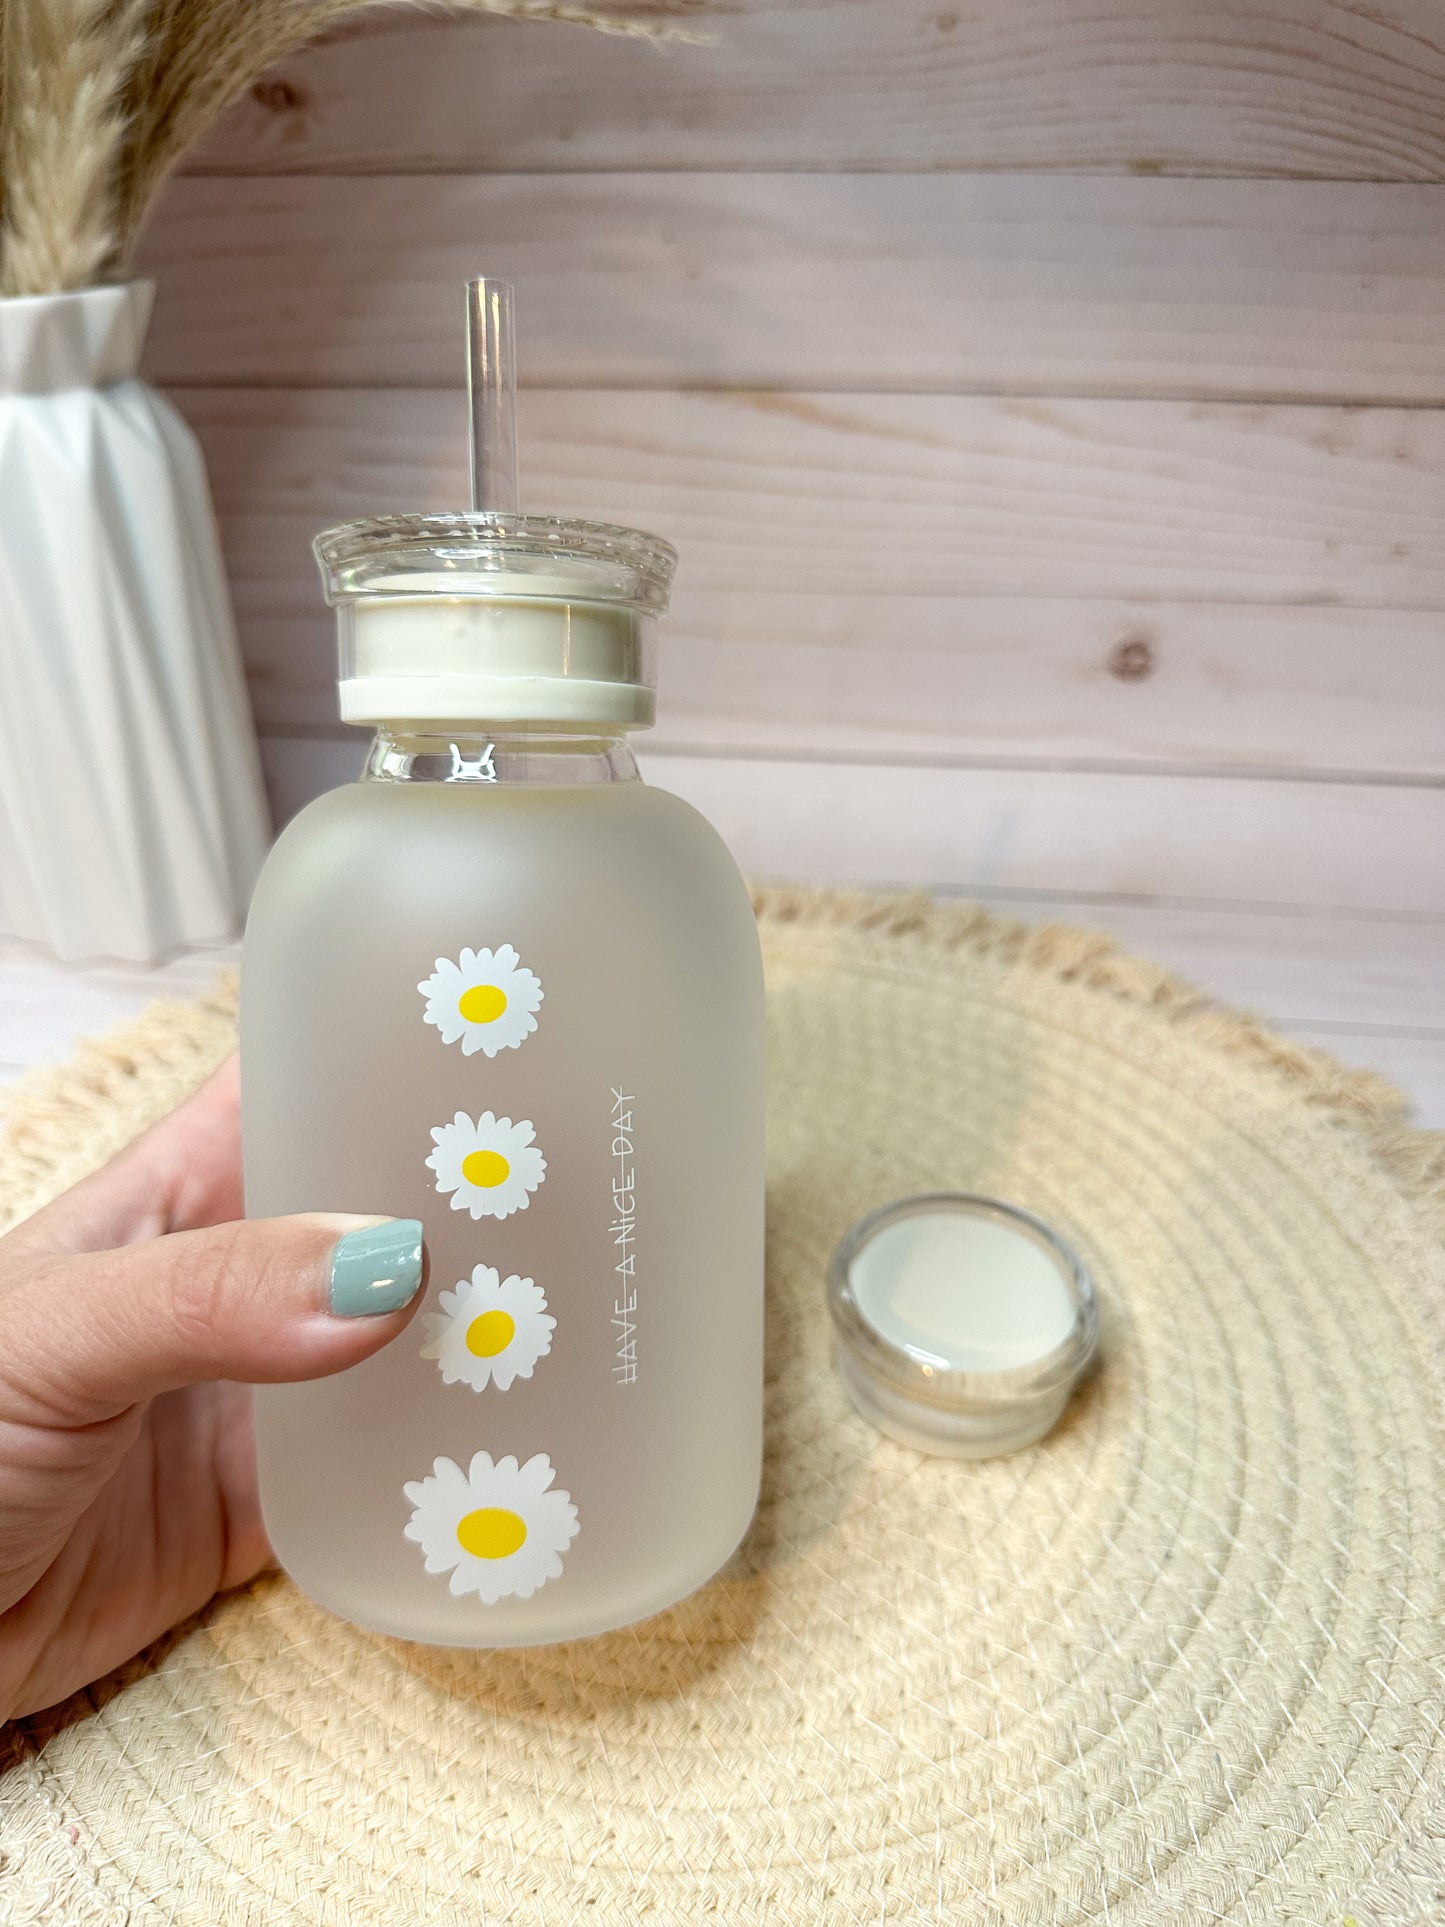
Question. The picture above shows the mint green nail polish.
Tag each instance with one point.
(376, 1269)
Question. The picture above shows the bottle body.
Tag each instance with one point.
(568, 1435)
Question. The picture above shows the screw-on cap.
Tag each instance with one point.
(496, 618)
(963, 1323)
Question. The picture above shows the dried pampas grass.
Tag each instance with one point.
(62, 128)
(99, 99)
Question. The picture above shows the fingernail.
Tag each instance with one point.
(376, 1269)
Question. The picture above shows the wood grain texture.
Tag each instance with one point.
(1046, 526)
(1349, 89)
(849, 495)
(997, 679)
(1302, 967)
(1239, 840)
(995, 283)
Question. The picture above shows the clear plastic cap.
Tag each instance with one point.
(963, 1323)
(495, 616)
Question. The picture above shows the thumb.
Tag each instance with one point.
(269, 1299)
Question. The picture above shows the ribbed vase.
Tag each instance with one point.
(132, 817)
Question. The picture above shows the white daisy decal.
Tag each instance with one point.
(499, 1530)
(491, 1167)
(487, 999)
(489, 1331)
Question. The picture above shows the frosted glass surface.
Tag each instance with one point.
(630, 914)
(971, 1291)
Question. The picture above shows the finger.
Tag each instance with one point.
(184, 1172)
(83, 1338)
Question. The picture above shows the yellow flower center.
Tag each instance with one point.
(491, 1532)
(485, 1169)
(482, 1004)
(490, 1334)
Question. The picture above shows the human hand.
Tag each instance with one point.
(127, 1466)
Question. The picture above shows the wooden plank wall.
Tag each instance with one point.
(1047, 396)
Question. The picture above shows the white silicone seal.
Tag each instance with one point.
(513, 647)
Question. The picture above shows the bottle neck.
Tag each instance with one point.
(542, 758)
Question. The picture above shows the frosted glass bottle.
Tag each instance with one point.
(501, 986)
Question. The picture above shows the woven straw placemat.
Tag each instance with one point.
(1182, 1662)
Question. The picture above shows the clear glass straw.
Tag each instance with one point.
(492, 395)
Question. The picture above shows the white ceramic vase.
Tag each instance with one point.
(132, 817)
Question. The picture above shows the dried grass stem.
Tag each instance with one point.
(99, 100)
